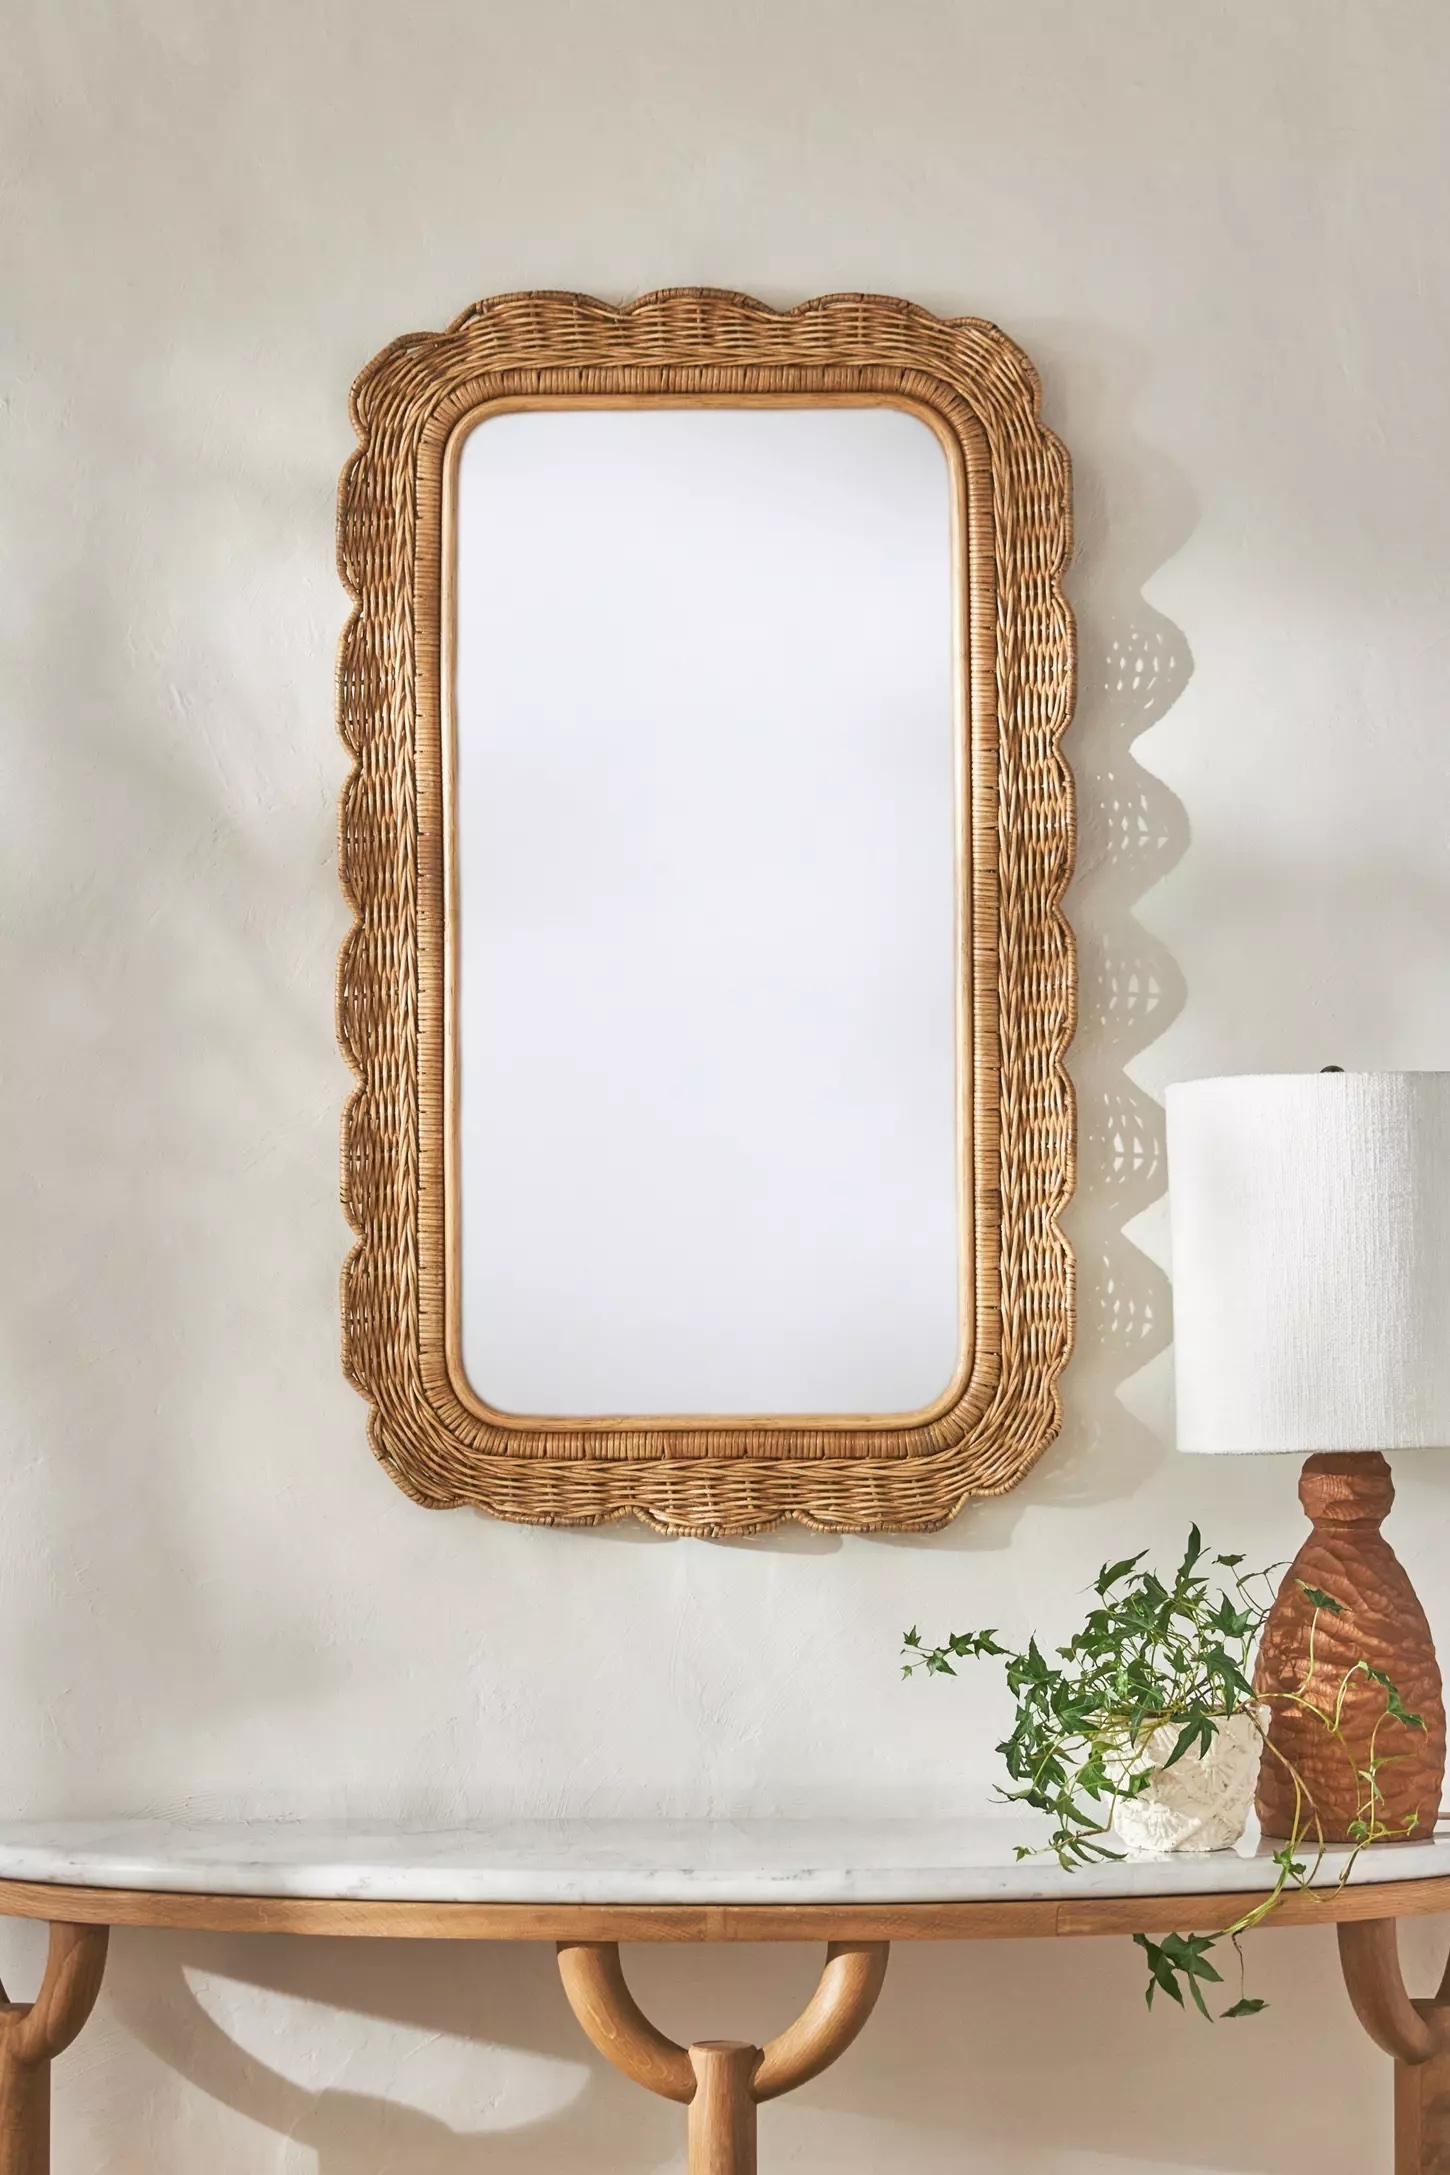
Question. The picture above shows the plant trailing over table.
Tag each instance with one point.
(1155, 1652)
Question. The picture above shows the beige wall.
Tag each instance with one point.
(1221, 228)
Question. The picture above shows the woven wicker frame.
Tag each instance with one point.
(708, 1476)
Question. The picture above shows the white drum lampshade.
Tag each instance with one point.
(1311, 1303)
(1311, 1261)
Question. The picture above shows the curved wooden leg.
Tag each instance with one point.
(1416, 2033)
(33, 2033)
(722, 2081)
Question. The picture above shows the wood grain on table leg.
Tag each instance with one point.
(721, 2080)
(1422, 2116)
(722, 2111)
(1416, 2033)
(33, 2033)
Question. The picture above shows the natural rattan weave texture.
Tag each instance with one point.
(706, 1475)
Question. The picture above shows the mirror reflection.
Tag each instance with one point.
(705, 839)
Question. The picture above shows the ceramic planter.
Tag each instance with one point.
(1201, 1802)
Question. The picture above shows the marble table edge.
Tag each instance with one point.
(772, 1863)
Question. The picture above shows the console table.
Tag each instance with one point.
(590, 1884)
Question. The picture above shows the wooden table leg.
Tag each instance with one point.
(722, 2112)
(33, 2033)
(721, 2081)
(1422, 2117)
(1416, 2033)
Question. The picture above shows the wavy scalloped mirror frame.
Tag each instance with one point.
(709, 1476)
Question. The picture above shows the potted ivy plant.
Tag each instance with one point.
(1144, 1733)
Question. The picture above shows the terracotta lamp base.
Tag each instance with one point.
(1347, 1494)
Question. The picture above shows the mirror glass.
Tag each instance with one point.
(705, 841)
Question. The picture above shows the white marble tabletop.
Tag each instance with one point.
(638, 1861)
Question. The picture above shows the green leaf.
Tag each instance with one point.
(1112, 1572)
(1160, 1971)
(1189, 1951)
(1192, 1553)
(1179, 1956)
(1221, 1665)
(1093, 1779)
(1197, 1730)
(1320, 1598)
(1245, 2007)
(1393, 1703)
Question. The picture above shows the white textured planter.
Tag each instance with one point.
(1201, 1803)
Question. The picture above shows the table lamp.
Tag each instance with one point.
(1311, 1303)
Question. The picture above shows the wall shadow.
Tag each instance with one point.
(1134, 510)
(507, 1999)
(1034, 2054)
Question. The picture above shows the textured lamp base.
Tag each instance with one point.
(1346, 1495)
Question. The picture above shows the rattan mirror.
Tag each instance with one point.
(709, 989)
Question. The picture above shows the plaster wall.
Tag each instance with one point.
(1222, 230)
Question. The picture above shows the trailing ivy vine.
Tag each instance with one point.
(1156, 1651)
